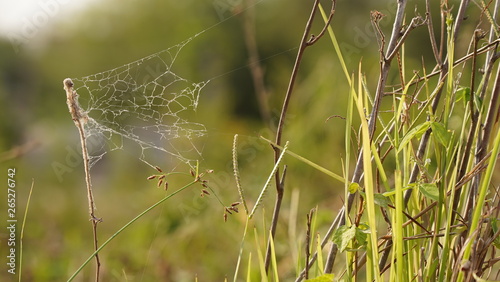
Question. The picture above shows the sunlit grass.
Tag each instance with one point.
(409, 218)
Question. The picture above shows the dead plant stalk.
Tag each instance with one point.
(80, 118)
(304, 43)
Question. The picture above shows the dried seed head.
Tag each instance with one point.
(166, 186)
(205, 191)
(191, 171)
(160, 182)
(228, 211)
(161, 176)
(158, 169)
(152, 177)
(210, 171)
(235, 204)
(235, 209)
(225, 217)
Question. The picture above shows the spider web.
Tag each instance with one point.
(144, 108)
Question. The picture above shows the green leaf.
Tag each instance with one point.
(429, 190)
(416, 132)
(381, 200)
(362, 194)
(353, 187)
(322, 278)
(363, 227)
(494, 224)
(442, 135)
(478, 101)
(361, 236)
(463, 94)
(343, 235)
(494, 228)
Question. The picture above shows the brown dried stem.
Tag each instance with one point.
(443, 72)
(482, 144)
(474, 123)
(432, 37)
(80, 118)
(308, 241)
(304, 43)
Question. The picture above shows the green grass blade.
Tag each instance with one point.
(127, 225)
(372, 254)
(241, 251)
(274, 263)
(478, 210)
(308, 162)
(398, 228)
(336, 45)
(266, 185)
(22, 231)
(262, 266)
(249, 268)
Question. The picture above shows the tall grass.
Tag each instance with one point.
(426, 206)
(421, 199)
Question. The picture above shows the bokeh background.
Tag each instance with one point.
(185, 237)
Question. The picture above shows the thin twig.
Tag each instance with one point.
(493, 29)
(443, 72)
(415, 22)
(80, 118)
(304, 43)
(396, 28)
(308, 241)
(460, 18)
(375, 17)
(481, 146)
(487, 48)
(432, 37)
(472, 130)
(276, 213)
(385, 65)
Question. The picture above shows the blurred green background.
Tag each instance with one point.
(186, 237)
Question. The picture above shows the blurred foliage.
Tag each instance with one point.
(186, 237)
